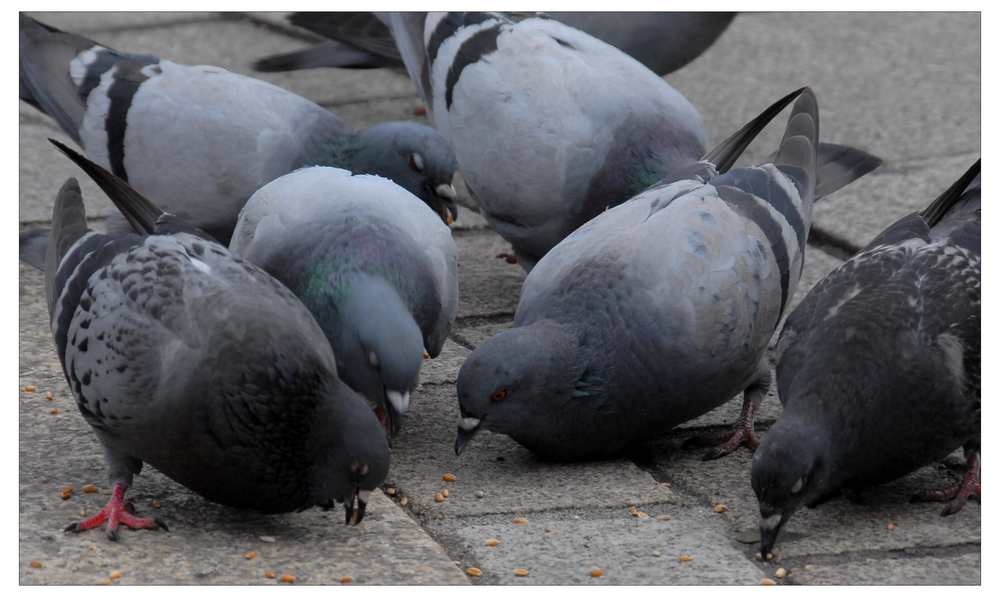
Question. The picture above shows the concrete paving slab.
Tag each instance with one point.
(612, 541)
(95, 23)
(961, 570)
(444, 369)
(494, 286)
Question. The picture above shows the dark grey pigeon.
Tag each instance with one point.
(189, 359)
(378, 270)
(658, 310)
(662, 41)
(878, 366)
(199, 140)
(550, 126)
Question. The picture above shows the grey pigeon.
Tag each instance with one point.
(189, 359)
(378, 270)
(199, 140)
(658, 310)
(662, 41)
(878, 366)
(550, 126)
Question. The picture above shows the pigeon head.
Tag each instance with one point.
(414, 156)
(380, 347)
(787, 472)
(353, 463)
(514, 383)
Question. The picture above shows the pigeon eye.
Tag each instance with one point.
(499, 395)
(798, 485)
(373, 358)
(417, 162)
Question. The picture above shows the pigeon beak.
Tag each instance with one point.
(398, 403)
(356, 514)
(447, 193)
(769, 528)
(468, 427)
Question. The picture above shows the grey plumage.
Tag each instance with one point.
(373, 264)
(189, 359)
(550, 126)
(147, 120)
(879, 365)
(654, 312)
(662, 41)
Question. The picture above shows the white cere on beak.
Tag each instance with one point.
(468, 423)
(798, 486)
(364, 496)
(445, 190)
(400, 402)
(770, 522)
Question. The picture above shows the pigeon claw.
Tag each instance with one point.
(959, 494)
(727, 441)
(116, 512)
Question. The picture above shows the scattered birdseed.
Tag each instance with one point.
(83, 512)
(55, 411)
(665, 484)
(809, 565)
(426, 356)
(480, 494)
(548, 529)
(403, 501)
(438, 497)
(116, 574)
(251, 555)
(656, 554)
(780, 573)
(66, 488)
(768, 581)
(287, 578)
(596, 572)
(520, 520)
(492, 542)
(419, 111)
(643, 514)
(92, 547)
(720, 508)
(106, 492)
(35, 564)
(157, 505)
(390, 491)
(66, 495)
(770, 556)
(633, 511)
(29, 388)
(103, 581)
(269, 574)
(663, 517)
(473, 571)
(267, 539)
(520, 572)
(90, 489)
(48, 395)
(445, 493)
(685, 558)
(743, 460)
(346, 579)
(890, 526)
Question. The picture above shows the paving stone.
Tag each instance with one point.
(492, 286)
(961, 570)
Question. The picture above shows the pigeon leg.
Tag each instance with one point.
(742, 432)
(115, 512)
(969, 487)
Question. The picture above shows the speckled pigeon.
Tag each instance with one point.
(199, 140)
(550, 126)
(658, 310)
(878, 366)
(662, 41)
(377, 269)
(189, 359)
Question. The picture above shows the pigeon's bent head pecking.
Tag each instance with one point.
(788, 472)
(350, 466)
(414, 156)
(381, 348)
(522, 383)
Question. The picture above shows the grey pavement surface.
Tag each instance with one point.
(904, 86)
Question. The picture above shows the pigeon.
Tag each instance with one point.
(187, 358)
(550, 126)
(878, 366)
(146, 120)
(378, 270)
(660, 309)
(662, 41)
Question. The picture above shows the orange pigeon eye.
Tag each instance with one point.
(500, 395)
